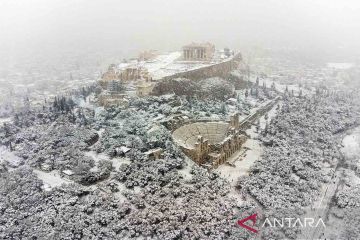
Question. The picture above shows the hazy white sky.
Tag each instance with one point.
(122, 25)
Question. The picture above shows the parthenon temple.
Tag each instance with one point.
(198, 52)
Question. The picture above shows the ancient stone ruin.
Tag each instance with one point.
(210, 143)
(198, 52)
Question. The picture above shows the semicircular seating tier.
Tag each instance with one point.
(187, 135)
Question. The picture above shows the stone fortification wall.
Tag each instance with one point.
(221, 69)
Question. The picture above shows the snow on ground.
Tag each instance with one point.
(352, 177)
(344, 65)
(241, 161)
(85, 103)
(281, 87)
(9, 157)
(185, 172)
(351, 145)
(118, 161)
(161, 61)
(5, 120)
(320, 206)
(119, 195)
(333, 228)
(100, 132)
(96, 156)
(168, 64)
(351, 150)
(98, 110)
(272, 113)
(51, 179)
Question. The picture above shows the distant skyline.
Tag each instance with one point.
(61, 26)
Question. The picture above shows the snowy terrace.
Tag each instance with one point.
(164, 65)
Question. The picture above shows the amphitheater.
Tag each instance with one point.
(210, 143)
(187, 136)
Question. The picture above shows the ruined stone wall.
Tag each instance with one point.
(108, 76)
(216, 70)
(184, 83)
(225, 149)
(228, 148)
(247, 122)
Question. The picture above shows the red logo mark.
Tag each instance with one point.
(252, 218)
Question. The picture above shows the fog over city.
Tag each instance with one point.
(57, 27)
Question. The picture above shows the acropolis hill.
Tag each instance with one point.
(195, 61)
